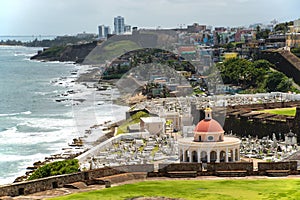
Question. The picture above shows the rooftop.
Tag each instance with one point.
(152, 119)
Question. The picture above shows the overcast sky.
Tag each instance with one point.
(59, 17)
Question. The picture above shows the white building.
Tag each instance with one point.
(290, 138)
(209, 143)
(174, 117)
(119, 25)
(103, 31)
(154, 125)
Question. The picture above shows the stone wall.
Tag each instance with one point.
(242, 126)
(265, 105)
(260, 128)
(97, 173)
(164, 168)
(140, 171)
(34, 186)
(263, 167)
(135, 168)
(243, 166)
(119, 178)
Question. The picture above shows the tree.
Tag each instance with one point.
(263, 64)
(277, 81)
(283, 27)
(239, 72)
(262, 34)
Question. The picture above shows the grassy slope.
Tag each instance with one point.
(281, 111)
(200, 189)
(111, 50)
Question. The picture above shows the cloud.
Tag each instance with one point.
(70, 17)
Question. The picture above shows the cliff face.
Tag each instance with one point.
(73, 53)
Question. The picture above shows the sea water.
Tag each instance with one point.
(32, 124)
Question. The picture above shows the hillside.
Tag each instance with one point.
(73, 53)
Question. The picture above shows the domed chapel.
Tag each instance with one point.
(209, 143)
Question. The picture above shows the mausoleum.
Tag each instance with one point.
(209, 143)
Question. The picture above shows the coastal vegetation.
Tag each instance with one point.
(55, 168)
(198, 189)
(53, 52)
(75, 53)
(57, 41)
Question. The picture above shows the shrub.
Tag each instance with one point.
(56, 168)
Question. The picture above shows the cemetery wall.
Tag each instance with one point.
(243, 126)
(265, 105)
(243, 166)
(164, 168)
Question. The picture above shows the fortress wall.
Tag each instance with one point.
(243, 126)
(284, 61)
(263, 167)
(138, 171)
(43, 184)
(136, 168)
(164, 168)
(214, 167)
(265, 105)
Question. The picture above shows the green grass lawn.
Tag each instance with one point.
(281, 111)
(199, 189)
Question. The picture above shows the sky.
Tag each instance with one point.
(61, 17)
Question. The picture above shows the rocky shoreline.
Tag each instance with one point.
(78, 145)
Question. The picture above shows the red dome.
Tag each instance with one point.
(208, 126)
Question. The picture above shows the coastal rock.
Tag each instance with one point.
(73, 53)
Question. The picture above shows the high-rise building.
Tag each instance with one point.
(103, 31)
(127, 28)
(119, 25)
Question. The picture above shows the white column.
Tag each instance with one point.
(199, 155)
(233, 156)
(218, 156)
(226, 159)
(238, 154)
(190, 156)
(183, 157)
(208, 156)
(180, 155)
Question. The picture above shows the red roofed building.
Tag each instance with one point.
(209, 143)
(186, 50)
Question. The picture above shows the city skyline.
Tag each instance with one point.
(55, 17)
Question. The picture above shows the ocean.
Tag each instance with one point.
(33, 125)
